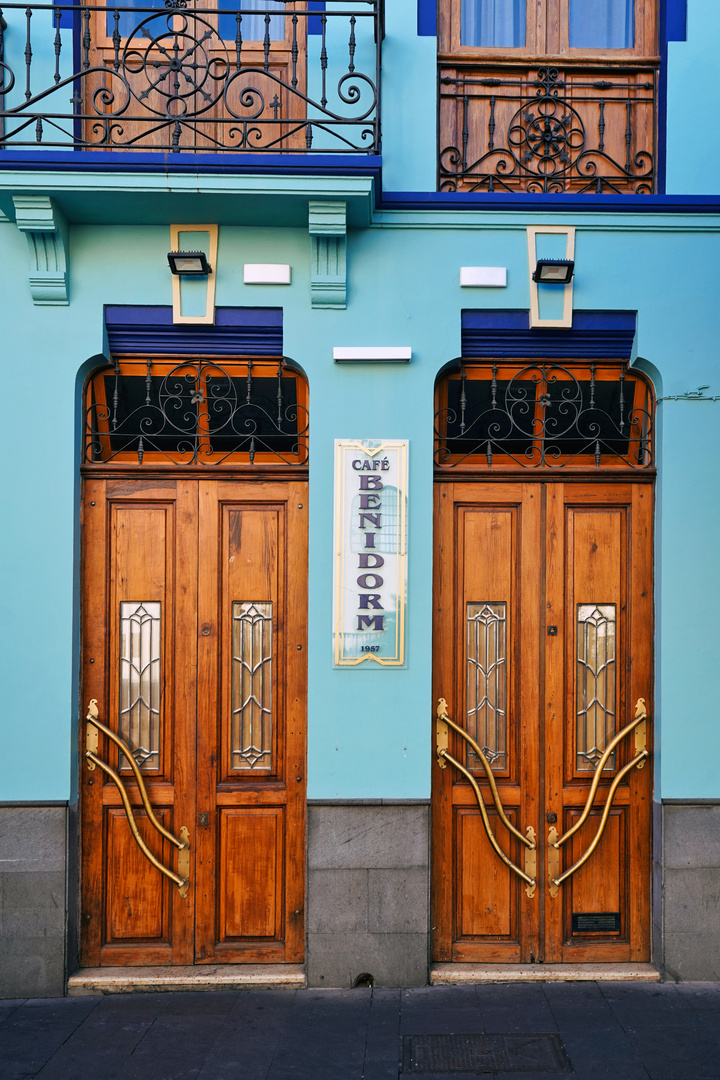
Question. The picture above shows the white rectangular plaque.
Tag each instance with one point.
(371, 478)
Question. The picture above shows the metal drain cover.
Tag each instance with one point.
(484, 1054)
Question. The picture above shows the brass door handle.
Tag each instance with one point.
(182, 878)
(443, 722)
(639, 726)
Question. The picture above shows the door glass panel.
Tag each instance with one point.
(251, 739)
(253, 24)
(140, 628)
(493, 23)
(486, 693)
(595, 684)
(602, 24)
(253, 27)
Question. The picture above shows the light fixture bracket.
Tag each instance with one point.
(189, 263)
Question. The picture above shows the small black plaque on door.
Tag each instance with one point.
(596, 922)
(484, 1054)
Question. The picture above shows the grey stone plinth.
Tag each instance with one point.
(691, 891)
(368, 894)
(32, 901)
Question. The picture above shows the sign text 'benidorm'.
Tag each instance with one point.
(370, 551)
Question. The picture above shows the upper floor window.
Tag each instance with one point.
(547, 95)
(547, 28)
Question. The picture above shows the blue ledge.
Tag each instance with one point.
(228, 163)
(550, 204)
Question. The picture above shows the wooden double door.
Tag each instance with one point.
(543, 646)
(194, 641)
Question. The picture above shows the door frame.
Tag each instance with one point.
(89, 674)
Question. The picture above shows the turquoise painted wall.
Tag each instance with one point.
(693, 154)
(369, 731)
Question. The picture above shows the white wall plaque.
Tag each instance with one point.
(371, 477)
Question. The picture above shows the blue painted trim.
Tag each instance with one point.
(427, 18)
(117, 162)
(487, 334)
(618, 204)
(661, 155)
(673, 27)
(133, 329)
(676, 20)
(314, 24)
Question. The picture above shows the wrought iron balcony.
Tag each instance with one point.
(547, 130)
(267, 76)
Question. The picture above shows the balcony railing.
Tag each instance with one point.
(547, 130)
(264, 77)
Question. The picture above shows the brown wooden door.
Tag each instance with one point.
(182, 79)
(543, 644)
(194, 647)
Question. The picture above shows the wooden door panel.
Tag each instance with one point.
(487, 538)
(137, 546)
(598, 543)
(138, 901)
(251, 711)
(487, 900)
(134, 98)
(142, 557)
(251, 873)
(596, 568)
(600, 885)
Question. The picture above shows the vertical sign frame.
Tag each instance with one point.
(370, 538)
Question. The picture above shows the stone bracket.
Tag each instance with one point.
(327, 223)
(46, 230)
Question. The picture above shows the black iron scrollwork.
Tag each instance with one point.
(196, 413)
(185, 77)
(545, 415)
(545, 144)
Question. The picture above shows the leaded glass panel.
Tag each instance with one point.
(140, 635)
(596, 674)
(251, 728)
(486, 687)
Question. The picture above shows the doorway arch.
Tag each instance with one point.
(194, 577)
(542, 649)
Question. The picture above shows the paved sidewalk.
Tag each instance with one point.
(577, 1031)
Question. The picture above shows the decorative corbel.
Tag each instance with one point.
(328, 271)
(46, 230)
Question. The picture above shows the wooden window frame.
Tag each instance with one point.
(547, 24)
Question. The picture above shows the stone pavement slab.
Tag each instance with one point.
(609, 1031)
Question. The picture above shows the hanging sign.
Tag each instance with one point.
(370, 551)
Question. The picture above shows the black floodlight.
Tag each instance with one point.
(189, 262)
(554, 271)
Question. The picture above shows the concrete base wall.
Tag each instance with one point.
(33, 858)
(691, 891)
(368, 893)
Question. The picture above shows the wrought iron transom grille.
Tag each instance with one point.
(196, 412)
(543, 415)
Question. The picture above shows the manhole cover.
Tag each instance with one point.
(484, 1054)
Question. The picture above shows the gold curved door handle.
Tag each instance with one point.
(94, 725)
(443, 722)
(555, 842)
